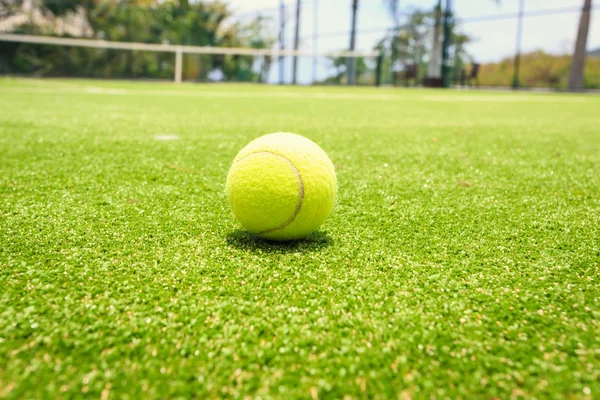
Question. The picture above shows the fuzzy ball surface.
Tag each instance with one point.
(281, 186)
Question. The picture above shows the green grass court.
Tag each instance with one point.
(462, 260)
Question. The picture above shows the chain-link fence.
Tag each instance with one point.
(508, 43)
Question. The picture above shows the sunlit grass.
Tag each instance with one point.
(462, 259)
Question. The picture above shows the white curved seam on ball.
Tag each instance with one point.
(300, 190)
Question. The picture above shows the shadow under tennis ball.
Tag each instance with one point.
(244, 240)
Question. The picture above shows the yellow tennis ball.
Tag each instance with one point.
(281, 186)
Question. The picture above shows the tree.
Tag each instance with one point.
(411, 45)
(147, 21)
(408, 44)
(578, 63)
(341, 66)
(401, 44)
(60, 8)
(459, 54)
(540, 69)
(258, 36)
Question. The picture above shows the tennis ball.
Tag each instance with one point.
(281, 186)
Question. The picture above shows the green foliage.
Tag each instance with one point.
(62, 7)
(460, 56)
(9, 7)
(539, 69)
(197, 23)
(411, 45)
(461, 261)
(412, 41)
(340, 65)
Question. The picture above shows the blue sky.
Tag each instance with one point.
(494, 40)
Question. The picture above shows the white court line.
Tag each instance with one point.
(524, 98)
(199, 93)
(455, 98)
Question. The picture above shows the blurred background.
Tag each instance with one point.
(552, 44)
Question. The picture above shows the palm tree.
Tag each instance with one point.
(578, 64)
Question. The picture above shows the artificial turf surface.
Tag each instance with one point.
(462, 259)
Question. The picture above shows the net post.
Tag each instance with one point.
(446, 67)
(517, 61)
(178, 64)
(378, 69)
